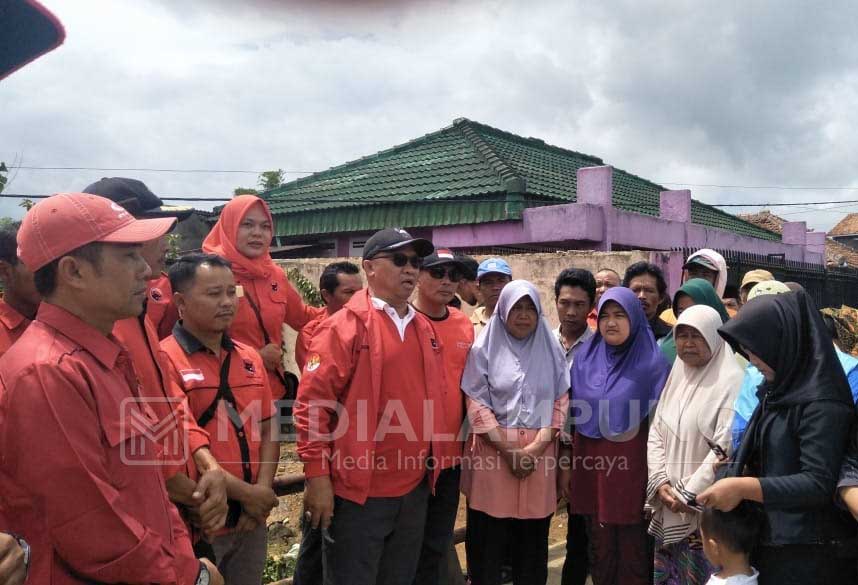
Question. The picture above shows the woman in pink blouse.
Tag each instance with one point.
(516, 382)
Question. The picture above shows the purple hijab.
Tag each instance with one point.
(614, 388)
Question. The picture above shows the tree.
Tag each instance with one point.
(3, 178)
(244, 191)
(27, 204)
(271, 179)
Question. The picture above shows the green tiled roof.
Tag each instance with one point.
(463, 174)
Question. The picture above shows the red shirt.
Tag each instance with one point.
(302, 342)
(160, 307)
(337, 410)
(80, 470)
(195, 371)
(456, 333)
(12, 325)
(401, 442)
(138, 336)
(278, 303)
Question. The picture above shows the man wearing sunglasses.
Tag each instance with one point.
(369, 414)
(437, 284)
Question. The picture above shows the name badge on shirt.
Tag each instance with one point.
(192, 375)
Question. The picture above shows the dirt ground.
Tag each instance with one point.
(284, 524)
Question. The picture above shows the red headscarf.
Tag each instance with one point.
(222, 239)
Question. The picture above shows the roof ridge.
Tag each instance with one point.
(498, 163)
(340, 167)
(538, 142)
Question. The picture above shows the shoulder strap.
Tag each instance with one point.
(290, 385)
(258, 318)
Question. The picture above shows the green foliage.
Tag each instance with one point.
(278, 567)
(174, 242)
(271, 179)
(244, 191)
(27, 204)
(308, 290)
(3, 177)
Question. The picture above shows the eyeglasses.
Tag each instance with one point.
(439, 272)
(399, 259)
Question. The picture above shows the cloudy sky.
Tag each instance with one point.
(737, 93)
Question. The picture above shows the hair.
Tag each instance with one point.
(579, 277)
(46, 277)
(183, 272)
(738, 530)
(329, 280)
(793, 286)
(639, 268)
(9, 244)
(608, 270)
(470, 266)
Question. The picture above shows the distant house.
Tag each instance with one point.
(846, 231)
(837, 253)
(473, 187)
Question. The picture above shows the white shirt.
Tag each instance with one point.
(400, 322)
(576, 345)
(735, 579)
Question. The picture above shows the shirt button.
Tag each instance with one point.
(521, 432)
(241, 433)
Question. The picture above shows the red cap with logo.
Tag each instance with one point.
(66, 221)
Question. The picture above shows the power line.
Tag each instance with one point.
(772, 187)
(151, 170)
(781, 204)
(44, 196)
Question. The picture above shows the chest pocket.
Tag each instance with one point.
(134, 440)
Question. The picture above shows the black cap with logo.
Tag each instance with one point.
(390, 239)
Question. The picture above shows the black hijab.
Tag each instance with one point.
(787, 332)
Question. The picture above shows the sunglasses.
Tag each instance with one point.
(439, 272)
(399, 259)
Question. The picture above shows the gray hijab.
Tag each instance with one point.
(519, 379)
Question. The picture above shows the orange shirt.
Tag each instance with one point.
(456, 333)
(138, 336)
(302, 343)
(80, 473)
(12, 325)
(277, 302)
(401, 442)
(195, 371)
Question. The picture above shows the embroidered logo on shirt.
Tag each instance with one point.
(156, 294)
(313, 362)
(192, 375)
(249, 368)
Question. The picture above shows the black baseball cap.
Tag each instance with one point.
(136, 198)
(701, 261)
(28, 30)
(443, 256)
(470, 266)
(390, 239)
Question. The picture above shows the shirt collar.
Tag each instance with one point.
(105, 349)
(190, 344)
(388, 308)
(588, 333)
(10, 318)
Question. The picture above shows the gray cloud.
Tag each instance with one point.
(726, 93)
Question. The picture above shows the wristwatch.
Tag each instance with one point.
(25, 547)
(204, 577)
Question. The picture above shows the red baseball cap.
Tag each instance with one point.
(66, 221)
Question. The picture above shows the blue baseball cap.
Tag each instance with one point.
(491, 265)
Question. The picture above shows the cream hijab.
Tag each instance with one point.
(696, 405)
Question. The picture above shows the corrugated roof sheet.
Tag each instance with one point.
(461, 174)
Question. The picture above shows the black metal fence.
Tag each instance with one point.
(829, 287)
